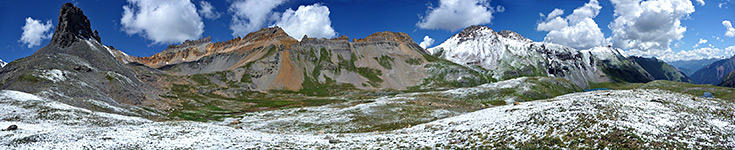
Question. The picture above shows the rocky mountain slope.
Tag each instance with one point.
(618, 67)
(688, 67)
(715, 72)
(270, 59)
(729, 80)
(661, 70)
(506, 54)
(2, 63)
(75, 68)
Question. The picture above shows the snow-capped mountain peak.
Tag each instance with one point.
(2, 63)
(605, 53)
(507, 54)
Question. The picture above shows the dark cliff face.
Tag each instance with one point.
(729, 80)
(660, 70)
(715, 72)
(72, 23)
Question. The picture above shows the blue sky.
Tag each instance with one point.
(146, 33)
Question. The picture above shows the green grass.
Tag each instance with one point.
(414, 61)
(205, 79)
(201, 79)
(312, 87)
(198, 106)
(247, 78)
(439, 70)
(385, 61)
(270, 52)
(496, 102)
(372, 74)
(110, 77)
(29, 78)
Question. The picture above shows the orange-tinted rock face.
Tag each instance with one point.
(273, 60)
(193, 50)
(387, 36)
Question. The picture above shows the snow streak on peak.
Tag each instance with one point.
(605, 53)
(508, 54)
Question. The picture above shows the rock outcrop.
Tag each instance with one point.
(76, 69)
(73, 26)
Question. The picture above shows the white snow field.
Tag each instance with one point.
(613, 119)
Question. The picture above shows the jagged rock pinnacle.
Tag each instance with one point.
(471, 31)
(72, 24)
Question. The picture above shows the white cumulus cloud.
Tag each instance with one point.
(162, 21)
(34, 31)
(701, 2)
(701, 41)
(648, 25)
(310, 20)
(729, 30)
(555, 13)
(694, 54)
(454, 15)
(500, 9)
(576, 30)
(208, 11)
(427, 42)
(251, 15)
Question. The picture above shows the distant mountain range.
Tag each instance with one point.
(661, 70)
(714, 73)
(691, 66)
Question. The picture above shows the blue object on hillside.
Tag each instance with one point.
(708, 95)
(596, 89)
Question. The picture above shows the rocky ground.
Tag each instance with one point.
(639, 118)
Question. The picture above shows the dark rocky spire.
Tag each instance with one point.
(72, 24)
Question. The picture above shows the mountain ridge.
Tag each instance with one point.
(507, 54)
(715, 72)
(72, 23)
(690, 66)
(661, 70)
(269, 59)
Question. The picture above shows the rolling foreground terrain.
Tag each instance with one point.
(480, 89)
(602, 119)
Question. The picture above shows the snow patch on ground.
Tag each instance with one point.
(650, 117)
(54, 75)
(92, 43)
